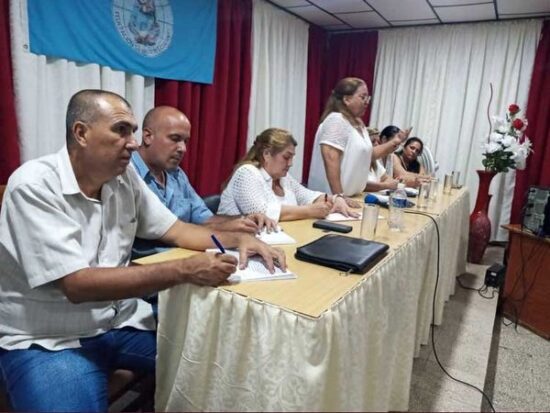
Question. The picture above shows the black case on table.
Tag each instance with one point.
(342, 252)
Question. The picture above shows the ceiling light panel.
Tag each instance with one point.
(414, 22)
(466, 13)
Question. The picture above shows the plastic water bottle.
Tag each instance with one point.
(398, 202)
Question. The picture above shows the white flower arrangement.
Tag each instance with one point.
(506, 148)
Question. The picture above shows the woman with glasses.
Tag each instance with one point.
(343, 151)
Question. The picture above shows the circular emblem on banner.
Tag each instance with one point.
(146, 25)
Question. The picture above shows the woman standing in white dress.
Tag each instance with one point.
(261, 184)
(342, 152)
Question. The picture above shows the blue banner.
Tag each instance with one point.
(170, 39)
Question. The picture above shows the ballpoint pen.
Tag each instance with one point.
(218, 243)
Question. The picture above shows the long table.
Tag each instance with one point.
(321, 342)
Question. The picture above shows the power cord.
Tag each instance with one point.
(481, 290)
(432, 326)
(484, 289)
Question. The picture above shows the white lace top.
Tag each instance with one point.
(337, 132)
(250, 190)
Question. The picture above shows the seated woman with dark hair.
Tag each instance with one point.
(378, 179)
(261, 183)
(405, 163)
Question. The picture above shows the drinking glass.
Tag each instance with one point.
(369, 221)
(423, 195)
(456, 179)
(434, 189)
(447, 184)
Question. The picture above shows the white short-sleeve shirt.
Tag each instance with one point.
(336, 131)
(250, 190)
(49, 229)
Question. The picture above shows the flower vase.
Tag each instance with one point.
(480, 226)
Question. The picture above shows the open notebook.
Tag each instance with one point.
(276, 238)
(255, 271)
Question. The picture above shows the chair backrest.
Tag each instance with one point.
(427, 160)
(212, 202)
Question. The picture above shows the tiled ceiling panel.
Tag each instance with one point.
(474, 12)
(345, 15)
(364, 20)
(403, 9)
(315, 14)
(523, 7)
(342, 6)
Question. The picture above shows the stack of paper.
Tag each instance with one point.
(255, 270)
(276, 238)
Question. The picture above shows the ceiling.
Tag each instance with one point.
(378, 14)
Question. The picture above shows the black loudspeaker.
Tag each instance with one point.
(536, 216)
(494, 276)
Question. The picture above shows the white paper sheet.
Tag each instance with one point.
(276, 238)
(336, 216)
(255, 270)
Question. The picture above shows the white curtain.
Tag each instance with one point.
(436, 79)
(279, 76)
(43, 87)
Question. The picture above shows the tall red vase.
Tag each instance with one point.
(480, 226)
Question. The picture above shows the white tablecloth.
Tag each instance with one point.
(218, 350)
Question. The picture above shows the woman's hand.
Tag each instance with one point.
(424, 179)
(406, 133)
(401, 136)
(319, 209)
(391, 183)
(352, 203)
(340, 205)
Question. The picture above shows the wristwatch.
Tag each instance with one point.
(337, 196)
